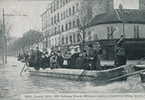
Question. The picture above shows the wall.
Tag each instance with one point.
(142, 4)
(102, 6)
(99, 32)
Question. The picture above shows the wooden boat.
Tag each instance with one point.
(142, 74)
(84, 75)
(109, 74)
(139, 67)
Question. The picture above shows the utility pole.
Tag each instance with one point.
(4, 36)
(3, 39)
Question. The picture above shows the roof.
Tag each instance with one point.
(119, 16)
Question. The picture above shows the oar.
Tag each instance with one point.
(22, 70)
(126, 75)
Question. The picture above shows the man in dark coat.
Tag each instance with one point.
(32, 58)
(93, 58)
(60, 59)
(74, 57)
(120, 53)
(38, 59)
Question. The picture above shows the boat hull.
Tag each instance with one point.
(142, 75)
(81, 75)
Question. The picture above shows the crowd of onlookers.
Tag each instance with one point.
(88, 58)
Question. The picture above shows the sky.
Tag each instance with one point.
(18, 25)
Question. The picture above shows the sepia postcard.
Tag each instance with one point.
(72, 49)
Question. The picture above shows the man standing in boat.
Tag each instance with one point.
(32, 58)
(120, 53)
(38, 58)
(53, 60)
(59, 59)
(93, 58)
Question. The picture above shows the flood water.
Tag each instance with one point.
(12, 85)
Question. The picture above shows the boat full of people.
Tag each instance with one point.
(84, 65)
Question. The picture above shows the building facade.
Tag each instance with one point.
(108, 27)
(62, 19)
(59, 21)
(142, 4)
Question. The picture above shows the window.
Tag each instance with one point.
(74, 23)
(136, 31)
(110, 31)
(61, 2)
(61, 16)
(77, 7)
(70, 38)
(62, 40)
(67, 1)
(58, 17)
(73, 10)
(66, 12)
(52, 20)
(51, 42)
(74, 38)
(57, 4)
(66, 40)
(69, 11)
(55, 42)
(89, 36)
(55, 30)
(64, 15)
(78, 37)
(55, 19)
(95, 36)
(70, 25)
(62, 28)
(0, 31)
(66, 27)
(58, 29)
(78, 22)
(51, 9)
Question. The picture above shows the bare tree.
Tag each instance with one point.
(29, 38)
(85, 16)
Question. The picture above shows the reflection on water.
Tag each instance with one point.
(12, 85)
